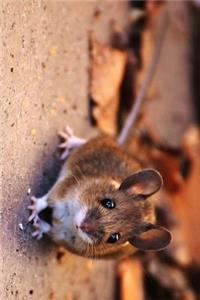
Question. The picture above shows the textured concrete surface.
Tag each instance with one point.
(44, 85)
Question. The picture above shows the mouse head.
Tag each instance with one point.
(116, 212)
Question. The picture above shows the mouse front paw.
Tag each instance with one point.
(38, 204)
(70, 142)
(40, 226)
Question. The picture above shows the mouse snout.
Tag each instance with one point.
(88, 226)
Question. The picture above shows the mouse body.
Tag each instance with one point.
(100, 205)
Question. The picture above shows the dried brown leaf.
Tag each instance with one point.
(106, 74)
(183, 192)
(148, 38)
(186, 202)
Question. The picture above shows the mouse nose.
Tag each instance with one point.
(88, 226)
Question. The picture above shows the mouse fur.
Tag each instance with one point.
(96, 175)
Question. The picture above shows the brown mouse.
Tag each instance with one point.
(100, 206)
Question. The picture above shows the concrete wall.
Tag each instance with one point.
(44, 85)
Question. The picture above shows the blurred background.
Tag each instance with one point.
(83, 64)
(165, 136)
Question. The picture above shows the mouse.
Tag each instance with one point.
(101, 204)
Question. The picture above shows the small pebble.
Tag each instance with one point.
(52, 51)
(21, 227)
(33, 131)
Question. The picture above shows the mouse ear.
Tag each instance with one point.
(145, 183)
(152, 237)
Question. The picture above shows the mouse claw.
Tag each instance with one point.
(33, 215)
(32, 208)
(37, 234)
(69, 130)
(67, 133)
(65, 154)
(63, 145)
(33, 199)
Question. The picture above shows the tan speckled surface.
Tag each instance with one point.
(44, 86)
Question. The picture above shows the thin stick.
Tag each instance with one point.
(147, 80)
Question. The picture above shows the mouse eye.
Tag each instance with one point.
(108, 203)
(113, 238)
